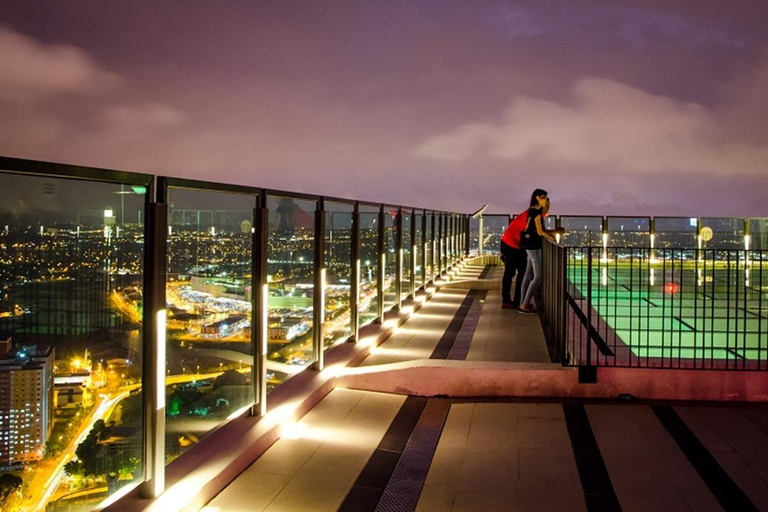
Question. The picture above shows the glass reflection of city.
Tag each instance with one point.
(71, 268)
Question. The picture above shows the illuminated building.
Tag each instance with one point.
(69, 388)
(26, 404)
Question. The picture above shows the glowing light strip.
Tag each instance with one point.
(264, 318)
(160, 318)
(322, 299)
(357, 288)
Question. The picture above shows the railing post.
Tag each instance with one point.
(381, 271)
(452, 239)
(318, 296)
(466, 236)
(480, 243)
(154, 343)
(652, 235)
(439, 245)
(399, 258)
(413, 253)
(589, 306)
(604, 256)
(260, 300)
(354, 299)
(433, 252)
(424, 249)
(449, 242)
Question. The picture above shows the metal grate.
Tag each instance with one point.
(404, 488)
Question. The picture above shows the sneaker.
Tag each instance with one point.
(528, 311)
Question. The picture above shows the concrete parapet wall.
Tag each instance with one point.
(479, 379)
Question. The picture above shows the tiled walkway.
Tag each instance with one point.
(504, 454)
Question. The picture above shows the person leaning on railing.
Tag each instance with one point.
(515, 261)
(530, 240)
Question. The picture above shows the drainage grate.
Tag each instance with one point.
(404, 488)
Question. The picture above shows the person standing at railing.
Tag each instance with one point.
(515, 261)
(530, 240)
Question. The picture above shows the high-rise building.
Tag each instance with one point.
(26, 404)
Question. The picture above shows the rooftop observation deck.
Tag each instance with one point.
(258, 349)
(453, 404)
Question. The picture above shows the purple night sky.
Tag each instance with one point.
(652, 107)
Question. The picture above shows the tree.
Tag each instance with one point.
(9, 484)
(230, 378)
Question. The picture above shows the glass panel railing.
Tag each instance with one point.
(290, 275)
(674, 233)
(582, 231)
(369, 264)
(390, 256)
(405, 286)
(758, 234)
(474, 236)
(71, 279)
(493, 228)
(338, 274)
(430, 245)
(721, 233)
(628, 232)
(208, 300)
(418, 238)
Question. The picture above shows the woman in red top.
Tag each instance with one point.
(515, 261)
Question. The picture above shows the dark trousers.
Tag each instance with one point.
(515, 262)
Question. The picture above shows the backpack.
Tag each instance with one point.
(530, 238)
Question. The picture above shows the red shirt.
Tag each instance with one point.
(511, 236)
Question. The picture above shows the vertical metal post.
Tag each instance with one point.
(466, 236)
(399, 258)
(480, 236)
(440, 266)
(652, 235)
(451, 232)
(412, 227)
(424, 243)
(318, 296)
(589, 306)
(354, 299)
(604, 255)
(154, 345)
(699, 241)
(381, 266)
(260, 312)
(433, 252)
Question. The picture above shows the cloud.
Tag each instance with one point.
(143, 115)
(515, 21)
(609, 126)
(30, 70)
